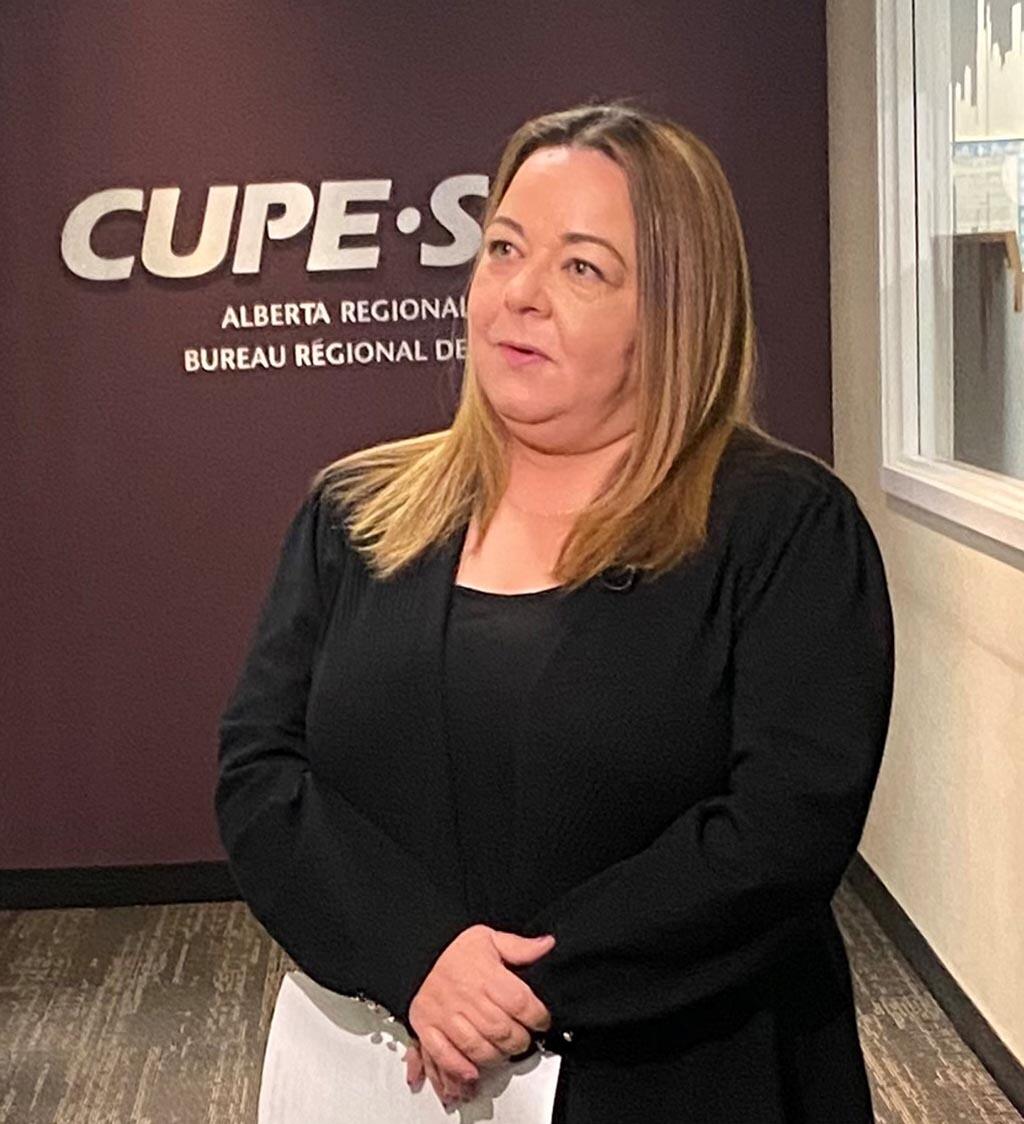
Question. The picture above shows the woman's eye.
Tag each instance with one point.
(587, 265)
(494, 246)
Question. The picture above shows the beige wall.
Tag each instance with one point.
(946, 828)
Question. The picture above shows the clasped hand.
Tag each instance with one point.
(471, 1011)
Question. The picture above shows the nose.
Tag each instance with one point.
(526, 289)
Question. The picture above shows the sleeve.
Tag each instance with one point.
(353, 909)
(725, 887)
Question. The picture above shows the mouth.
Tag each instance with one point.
(517, 355)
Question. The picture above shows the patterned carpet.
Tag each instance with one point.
(159, 1015)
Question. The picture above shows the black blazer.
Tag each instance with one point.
(695, 767)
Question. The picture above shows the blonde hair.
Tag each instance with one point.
(694, 362)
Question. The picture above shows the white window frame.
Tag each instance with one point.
(917, 419)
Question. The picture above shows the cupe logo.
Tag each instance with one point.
(325, 216)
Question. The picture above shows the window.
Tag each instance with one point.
(951, 214)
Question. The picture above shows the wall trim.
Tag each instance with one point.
(99, 886)
(970, 1023)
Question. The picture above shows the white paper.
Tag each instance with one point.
(331, 1059)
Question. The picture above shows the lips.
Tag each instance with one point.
(524, 348)
(516, 358)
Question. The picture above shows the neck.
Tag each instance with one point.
(540, 480)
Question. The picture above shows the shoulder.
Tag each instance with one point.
(778, 510)
(327, 509)
(764, 488)
(790, 523)
(315, 539)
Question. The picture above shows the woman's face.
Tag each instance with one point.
(557, 273)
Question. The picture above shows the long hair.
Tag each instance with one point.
(694, 362)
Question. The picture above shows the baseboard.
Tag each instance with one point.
(971, 1025)
(163, 884)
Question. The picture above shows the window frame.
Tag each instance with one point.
(915, 289)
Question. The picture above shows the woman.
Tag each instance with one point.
(602, 664)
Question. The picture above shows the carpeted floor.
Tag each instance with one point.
(159, 1014)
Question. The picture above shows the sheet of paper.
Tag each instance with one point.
(331, 1059)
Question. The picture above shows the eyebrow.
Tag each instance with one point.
(572, 237)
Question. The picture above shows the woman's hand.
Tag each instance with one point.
(471, 1011)
(419, 1064)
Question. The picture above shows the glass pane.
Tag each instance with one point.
(985, 414)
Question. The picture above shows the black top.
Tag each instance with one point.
(495, 644)
(693, 765)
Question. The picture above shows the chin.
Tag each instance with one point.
(520, 415)
(517, 397)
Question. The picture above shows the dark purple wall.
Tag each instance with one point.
(143, 505)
